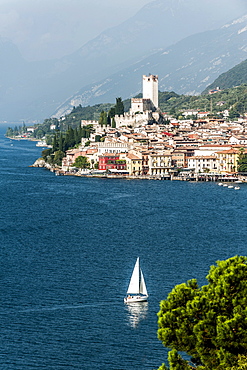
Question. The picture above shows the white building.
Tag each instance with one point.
(150, 89)
(142, 109)
(203, 164)
(112, 147)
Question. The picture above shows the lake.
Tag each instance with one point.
(68, 247)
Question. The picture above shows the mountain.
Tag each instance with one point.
(35, 90)
(187, 67)
(234, 77)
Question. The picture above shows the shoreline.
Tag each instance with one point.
(40, 163)
(21, 138)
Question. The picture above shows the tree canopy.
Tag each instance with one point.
(242, 161)
(81, 162)
(207, 323)
(119, 107)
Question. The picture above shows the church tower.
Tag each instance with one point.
(150, 89)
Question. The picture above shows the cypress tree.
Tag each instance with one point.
(61, 142)
(113, 123)
(119, 107)
(54, 144)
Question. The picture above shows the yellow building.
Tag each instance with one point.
(134, 163)
(228, 160)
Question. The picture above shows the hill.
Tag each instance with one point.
(233, 99)
(234, 77)
(186, 67)
(37, 89)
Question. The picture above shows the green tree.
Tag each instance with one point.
(102, 118)
(119, 107)
(61, 142)
(113, 123)
(9, 132)
(242, 363)
(97, 138)
(54, 143)
(242, 161)
(81, 162)
(112, 112)
(58, 156)
(233, 113)
(46, 153)
(208, 323)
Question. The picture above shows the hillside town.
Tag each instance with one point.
(190, 148)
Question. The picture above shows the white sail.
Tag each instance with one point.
(134, 285)
(143, 289)
(137, 283)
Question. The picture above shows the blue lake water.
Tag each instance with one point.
(67, 249)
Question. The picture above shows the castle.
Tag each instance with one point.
(142, 109)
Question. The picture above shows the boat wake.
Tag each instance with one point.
(58, 307)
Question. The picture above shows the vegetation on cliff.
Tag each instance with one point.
(236, 76)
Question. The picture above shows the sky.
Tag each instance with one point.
(47, 29)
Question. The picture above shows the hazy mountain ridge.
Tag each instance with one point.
(36, 89)
(234, 77)
(186, 67)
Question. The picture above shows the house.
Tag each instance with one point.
(112, 146)
(203, 164)
(179, 158)
(214, 91)
(238, 139)
(134, 163)
(190, 112)
(202, 114)
(160, 163)
(111, 161)
(228, 160)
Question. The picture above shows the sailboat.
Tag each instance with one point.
(137, 291)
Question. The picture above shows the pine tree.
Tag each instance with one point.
(207, 323)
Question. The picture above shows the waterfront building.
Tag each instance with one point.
(160, 163)
(201, 164)
(111, 161)
(228, 160)
(134, 163)
(179, 158)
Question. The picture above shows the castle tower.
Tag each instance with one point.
(150, 89)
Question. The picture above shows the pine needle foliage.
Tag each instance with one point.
(207, 323)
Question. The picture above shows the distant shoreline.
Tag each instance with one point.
(17, 138)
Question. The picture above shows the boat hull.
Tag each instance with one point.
(135, 299)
